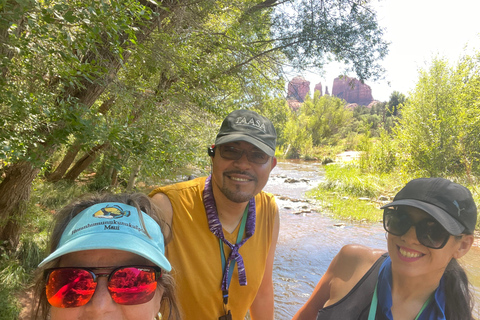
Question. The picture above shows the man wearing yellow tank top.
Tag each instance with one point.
(224, 227)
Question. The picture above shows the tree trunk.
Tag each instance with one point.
(84, 162)
(133, 177)
(75, 148)
(65, 164)
(114, 177)
(15, 187)
(15, 192)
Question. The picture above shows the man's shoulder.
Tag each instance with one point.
(265, 195)
(194, 185)
(265, 202)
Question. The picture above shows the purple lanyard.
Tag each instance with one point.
(216, 228)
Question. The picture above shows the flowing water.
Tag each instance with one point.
(309, 239)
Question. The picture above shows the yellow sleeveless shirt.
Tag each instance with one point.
(194, 253)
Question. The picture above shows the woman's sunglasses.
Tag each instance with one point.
(74, 287)
(429, 232)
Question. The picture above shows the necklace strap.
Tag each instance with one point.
(215, 227)
(241, 230)
(373, 306)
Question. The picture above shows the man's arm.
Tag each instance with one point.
(165, 206)
(262, 307)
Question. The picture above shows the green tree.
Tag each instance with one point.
(326, 116)
(75, 75)
(61, 56)
(397, 99)
(296, 136)
(380, 155)
(438, 131)
(468, 74)
(277, 110)
(318, 122)
(312, 33)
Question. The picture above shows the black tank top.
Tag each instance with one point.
(356, 304)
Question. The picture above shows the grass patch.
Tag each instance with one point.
(18, 268)
(344, 207)
(348, 193)
(9, 306)
(53, 196)
(14, 277)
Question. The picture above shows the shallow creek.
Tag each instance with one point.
(309, 240)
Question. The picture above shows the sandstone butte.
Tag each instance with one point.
(298, 88)
(349, 89)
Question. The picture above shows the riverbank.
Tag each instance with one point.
(339, 191)
(310, 235)
(350, 194)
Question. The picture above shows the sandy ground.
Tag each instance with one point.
(348, 156)
(25, 299)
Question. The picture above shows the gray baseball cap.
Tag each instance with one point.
(249, 126)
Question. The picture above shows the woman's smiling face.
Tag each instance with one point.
(101, 306)
(411, 258)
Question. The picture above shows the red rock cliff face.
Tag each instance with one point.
(294, 104)
(318, 87)
(298, 88)
(352, 91)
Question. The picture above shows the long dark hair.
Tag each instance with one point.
(458, 296)
(41, 307)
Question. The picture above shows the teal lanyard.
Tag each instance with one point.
(239, 238)
(373, 306)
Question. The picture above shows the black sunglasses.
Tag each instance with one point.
(232, 153)
(429, 232)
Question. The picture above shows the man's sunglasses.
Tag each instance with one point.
(232, 153)
(74, 287)
(429, 232)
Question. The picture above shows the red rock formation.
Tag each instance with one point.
(352, 91)
(351, 106)
(318, 87)
(294, 104)
(373, 103)
(326, 91)
(298, 88)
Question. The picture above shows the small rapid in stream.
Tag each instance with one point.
(309, 239)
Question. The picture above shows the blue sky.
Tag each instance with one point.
(418, 31)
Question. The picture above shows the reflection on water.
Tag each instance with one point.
(308, 241)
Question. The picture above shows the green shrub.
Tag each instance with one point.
(17, 268)
(380, 155)
(9, 306)
(349, 193)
